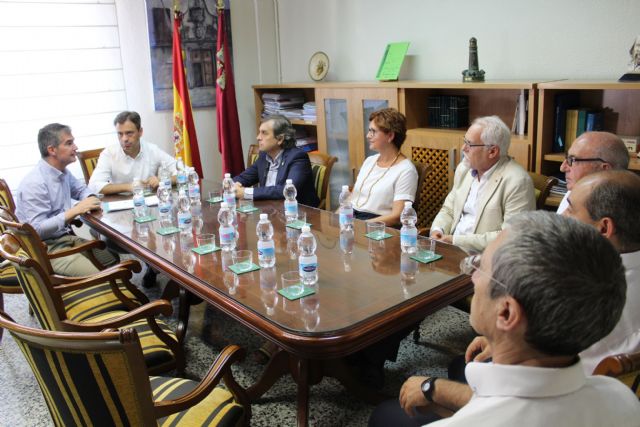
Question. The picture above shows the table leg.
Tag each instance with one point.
(276, 368)
(303, 392)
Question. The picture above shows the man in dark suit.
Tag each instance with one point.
(279, 160)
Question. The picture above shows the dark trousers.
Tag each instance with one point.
(390, 413)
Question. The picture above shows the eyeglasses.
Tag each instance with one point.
(471, 144)
(472, 263)
(571, 159)
(372, 131)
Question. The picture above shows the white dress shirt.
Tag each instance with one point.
(272, 174)
(564, 203)
(526, 396)
(116, 167)
(467, 221)
(625, 337)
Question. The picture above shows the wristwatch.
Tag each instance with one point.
(428, 388)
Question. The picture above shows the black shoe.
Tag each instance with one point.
(149, 279)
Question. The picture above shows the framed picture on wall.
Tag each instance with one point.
(199, 35)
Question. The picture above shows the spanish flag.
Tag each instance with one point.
(184, 132)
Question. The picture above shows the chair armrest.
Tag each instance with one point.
(149, 310)
(90, 244)
(96, 279)
(220, 369)
(129, 264)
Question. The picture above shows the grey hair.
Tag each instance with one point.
(494, 132)
(610, 148)
(50, 136)
(282, 128)
(616, 194)
(567, 277)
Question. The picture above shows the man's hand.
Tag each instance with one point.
(152, 182)
(478, 350)
(239, 190)
(411, 395)
(445, 238)
(83, 206)
(436, 234)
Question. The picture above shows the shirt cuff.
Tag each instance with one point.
(433, 229)
(248, 193)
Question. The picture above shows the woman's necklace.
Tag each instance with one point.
(359, 205)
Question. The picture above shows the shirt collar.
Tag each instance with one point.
(277, 158)
(487, 174)
(50, 171)
(631, 260)
(491, 379)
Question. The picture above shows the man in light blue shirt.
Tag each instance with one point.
(44, 200)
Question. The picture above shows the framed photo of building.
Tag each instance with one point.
(199, 35)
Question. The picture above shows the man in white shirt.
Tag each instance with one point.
(592, 152)
(609, 201)
(539, 300)
(118, 165)
(488, 188)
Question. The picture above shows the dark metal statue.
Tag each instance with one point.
(473, 73)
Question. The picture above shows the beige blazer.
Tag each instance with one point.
(508, 192)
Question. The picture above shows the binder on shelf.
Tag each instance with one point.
(564, 101)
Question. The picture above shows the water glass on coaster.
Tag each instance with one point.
(375, 229)
(206, 243)
(246, 206)
(243, 260)
(215, 196)
(426, 247)
(299, 221)
(292, 282)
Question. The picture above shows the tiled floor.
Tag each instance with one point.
(21, 403)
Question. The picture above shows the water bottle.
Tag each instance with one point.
(139, 205)
(184, 212)
(408, 232)
(307, 261)
(181, 178)
(228, 191)
(346, 208)
(164, 200)
(194, 186)
(266, 247)
(227, 232)
(290, 202)
(164, 176)
(347, 240)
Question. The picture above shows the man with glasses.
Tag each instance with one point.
(592, 152)
(488, 188)
(609, 201)
(539, 300)
(119, 164)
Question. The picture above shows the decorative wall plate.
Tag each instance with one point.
(318, 66)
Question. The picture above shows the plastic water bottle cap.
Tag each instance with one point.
(227, 175)
(306, 229)
(289, 181)
(224, 205)
(407, 204)
(264, 216)
(345, 188)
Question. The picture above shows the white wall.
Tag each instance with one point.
(517, 39)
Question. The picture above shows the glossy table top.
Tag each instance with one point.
(357, 291)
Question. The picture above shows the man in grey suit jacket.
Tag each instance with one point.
(488, 188)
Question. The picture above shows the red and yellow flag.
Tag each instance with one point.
(184, 132)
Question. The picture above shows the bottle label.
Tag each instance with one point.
(184, 219)
(138, 201)
(181, 178)
(291, 208)
(307, 264)
(266, 249)
(346, 216)
(165, 207)
(194, 191)
(408, 239)
(227, 235)
(230, 198)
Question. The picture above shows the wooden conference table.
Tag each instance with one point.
(361, 297)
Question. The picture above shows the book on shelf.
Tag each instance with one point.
(564, 101)
(281, 96)
(594, 121)
(445, 111)
(571, 128)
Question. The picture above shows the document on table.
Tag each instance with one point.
(121, 205)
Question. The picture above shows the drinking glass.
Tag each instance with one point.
(375, 229)
(291, 280)
(243, 259)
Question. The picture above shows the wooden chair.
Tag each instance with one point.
(321, 165)
(422, 169)
(625, 367)
(90, 304)
(542, 185)
(88, 161)
(8, 280)
(99, 378)
(252, 155)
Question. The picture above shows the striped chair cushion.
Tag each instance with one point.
(217, 409)
(98, 299)
(155, 351)
(71, 383)
(8, 280)
(319, 172)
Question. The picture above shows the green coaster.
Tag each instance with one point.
(297, 224)
(378, 237)
(426, 260)
(146, 218)
(289, 294)
(237, 270)
(215, 200)
(167, 230)
(149, 193)
(205, 249)
(247, 209)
